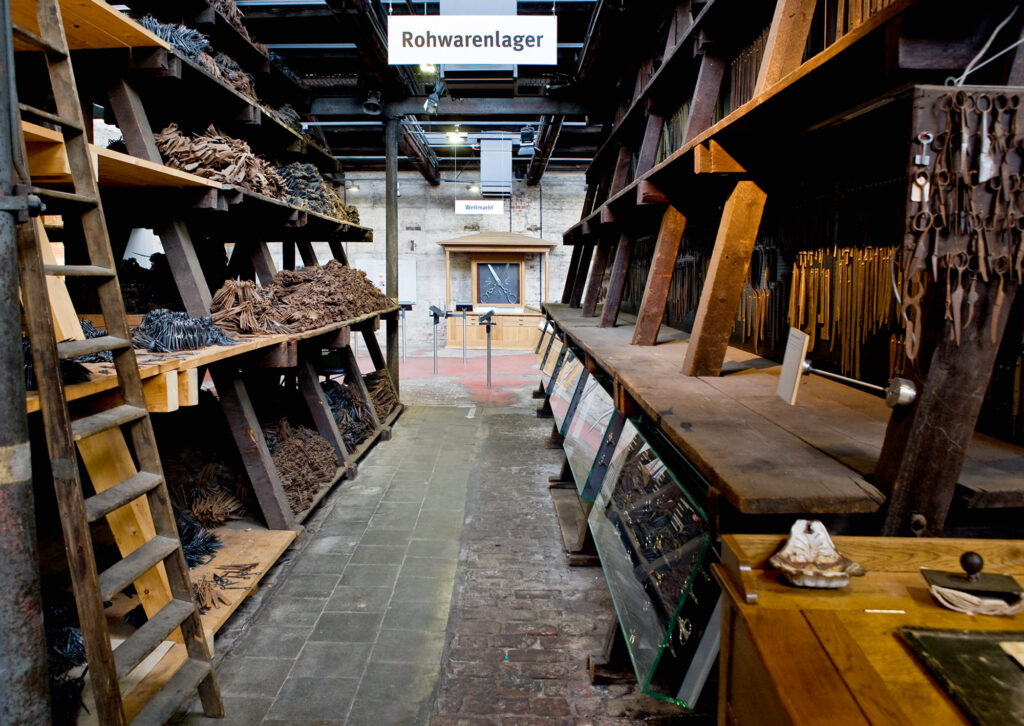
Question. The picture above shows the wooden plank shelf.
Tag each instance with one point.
(88, 24)
(762, 454)
(243, 543)
(846, 74)
(271, 80)
(170, 82)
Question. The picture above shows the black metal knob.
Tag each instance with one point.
(972, 564)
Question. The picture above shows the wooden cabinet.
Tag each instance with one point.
(801, 656)
(512, 332)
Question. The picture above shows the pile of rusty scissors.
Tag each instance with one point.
(967, 217)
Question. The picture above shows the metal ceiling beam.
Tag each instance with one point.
(543, 148)
(414, 144)
(539, 106)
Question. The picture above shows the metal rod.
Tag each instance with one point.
(435, 345)
(463, 337)
(489, 325)
(404, 344)
(391, 133)
(844, 379)
(24, 697)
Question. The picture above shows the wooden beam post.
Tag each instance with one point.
(263, 262)
(659, 277)
(307, 253)
(705, 96)
(570, 273)
(320, 410)
(134, 123)
(724, 283)
(338, 251)
(617, 281)
(287, 255)
(355, 379)
(787, 38)
(580, 280)
(248, 435)
(184, 264)
(597, 270)
(926, 441)
(648, 153)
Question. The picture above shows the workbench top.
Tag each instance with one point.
(764, 456)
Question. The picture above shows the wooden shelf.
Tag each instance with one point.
(271, 81)
(243, 543)
(48, 165)
(761, 454)
(88, 24)
(847, 73)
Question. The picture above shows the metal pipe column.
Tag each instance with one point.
(24, 693)
(391, 244)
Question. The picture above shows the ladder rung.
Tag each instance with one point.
(78, 270)
(53, 118)
(102, 504)
(38, 41)
(75, 348)
(131, 568)
(68, 197)
(88, 426)
(156, 630)
(174, 693)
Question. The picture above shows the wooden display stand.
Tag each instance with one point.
(796, 656)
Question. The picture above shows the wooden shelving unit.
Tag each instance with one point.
(114, 55)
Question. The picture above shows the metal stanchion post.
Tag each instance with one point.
(402, 318)
(487, 321)
(436, 313)
(463, 337)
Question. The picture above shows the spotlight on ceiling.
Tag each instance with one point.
(428, 68)
(353, 187)
(372, 105)
(456, 136)
(430, 105)
(527, 135)
(474, 188)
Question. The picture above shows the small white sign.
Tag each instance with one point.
(473, 39)
(479, 206)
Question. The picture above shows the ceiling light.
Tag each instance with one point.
(473, 188)
(428, 68)
(526, 135)
(372, 105)
(430, 105)
(456, 136)
(353, 187)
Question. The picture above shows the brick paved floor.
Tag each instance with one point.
(433, 588)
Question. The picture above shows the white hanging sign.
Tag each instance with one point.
(479, 206)
(473, 39)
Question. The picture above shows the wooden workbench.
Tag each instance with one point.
(799, 656)
(761, 455)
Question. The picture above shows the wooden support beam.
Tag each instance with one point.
(1016, 74)
(705, 96)
(581, 275)
(307, 253)
(184, 264)
(338, 250)
(280, 355)
(355, 380)
(602, 254)
(623, 167)
(188, 387)
(723, 285)
(648, 153)
(659, 277)
(373, 347)
(161, 392)
(245, 428)
(647, 193)
(320, 410)
(617, 281)
(131, 118)
(288, 255)
(787, 38)
(570, 273)
(263, 262)
(341, 339)
(925, 442)
(713, 159)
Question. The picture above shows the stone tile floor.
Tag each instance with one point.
(431, 589)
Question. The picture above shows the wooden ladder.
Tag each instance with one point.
(144, 489)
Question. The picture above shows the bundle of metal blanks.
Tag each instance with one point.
(308, 190)
(241, 307)
(199, 544)
(233, 15)
(204, 487)
(207, 594)
(187, 41)
(166, 331)
(279, 62)
(303, 459)
(288, 116)
(352, 213)
(71, 371)
(65, 653)
(297, 300)
(353, 416)
(382, 393)
(222, 158)
(226, 69)
(91, 331)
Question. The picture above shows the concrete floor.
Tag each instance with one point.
(433, 588)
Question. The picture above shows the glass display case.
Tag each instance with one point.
(552, 364)
(585, 431)
(547, 336)
(563, 392)
(654, 544)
